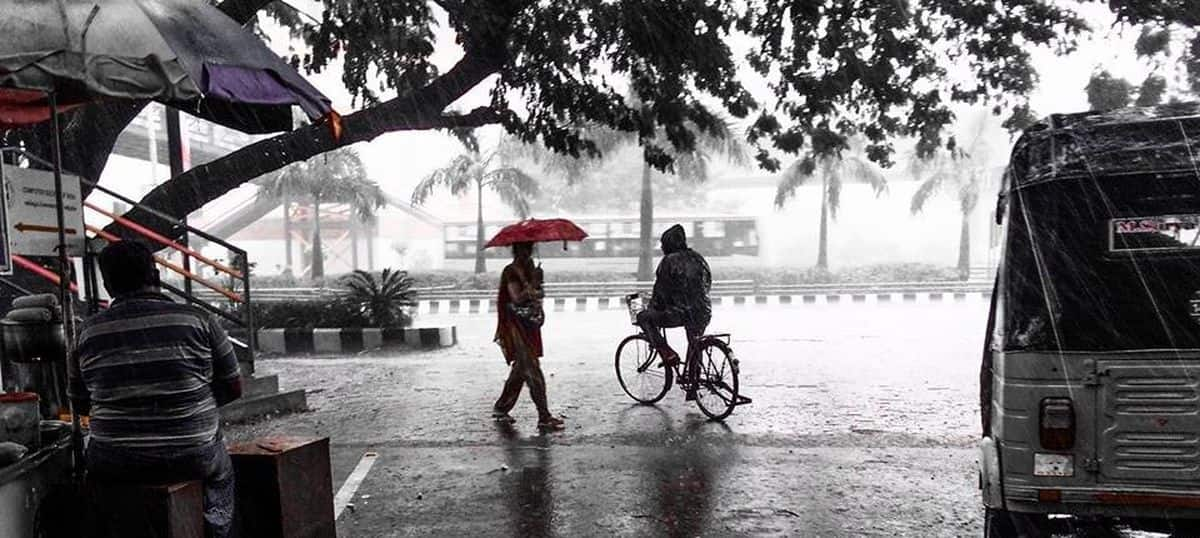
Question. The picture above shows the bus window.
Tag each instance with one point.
(713, 228)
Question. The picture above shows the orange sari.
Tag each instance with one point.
(515, 338)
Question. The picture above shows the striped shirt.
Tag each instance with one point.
(146, 364)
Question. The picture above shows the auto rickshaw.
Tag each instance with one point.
(1090, 382)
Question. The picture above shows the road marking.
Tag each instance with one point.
(350, 486)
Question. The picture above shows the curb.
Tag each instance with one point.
(354, 339)
(442, 307)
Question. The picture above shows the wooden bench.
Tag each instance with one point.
(135, 511)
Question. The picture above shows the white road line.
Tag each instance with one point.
(350, 486)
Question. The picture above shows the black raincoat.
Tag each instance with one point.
(682, 281)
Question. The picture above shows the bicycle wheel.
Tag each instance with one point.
(639, 371)
(716, 380)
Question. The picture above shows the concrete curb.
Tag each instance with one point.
(442, 307)
(353, 339)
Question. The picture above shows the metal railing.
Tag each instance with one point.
(242, 314)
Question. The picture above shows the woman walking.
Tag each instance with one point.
(519, 334)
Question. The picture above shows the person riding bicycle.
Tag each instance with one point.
(680, 299)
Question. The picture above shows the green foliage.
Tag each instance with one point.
(1022, 117)
(1106, 92)
(1152, 91)
(1152, 42)
(321, 313)
(614, 188)
(479, 171)
(383, 301)
(848, 164)
(875, 68)
(337, 177)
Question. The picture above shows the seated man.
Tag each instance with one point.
(151, 373)
(680, 299)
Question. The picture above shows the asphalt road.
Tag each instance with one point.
(863, 424)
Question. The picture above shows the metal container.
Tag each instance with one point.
(637, 302)
(20, 419)
(33, 341)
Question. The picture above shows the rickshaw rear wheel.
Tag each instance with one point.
(1006, 524)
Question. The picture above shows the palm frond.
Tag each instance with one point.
(793, 177)
(692, 167)
(515, 188)
(863, 171)
(458, 175)
(928, 188)
(833, 185)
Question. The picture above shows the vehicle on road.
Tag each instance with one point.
(709, 368)
(1090, 382)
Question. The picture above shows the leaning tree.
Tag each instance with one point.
(878, 68)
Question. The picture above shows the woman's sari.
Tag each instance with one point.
(515, 338)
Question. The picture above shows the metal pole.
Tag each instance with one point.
(64, 280)
(175, 158)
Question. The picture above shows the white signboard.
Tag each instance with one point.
(32, 212)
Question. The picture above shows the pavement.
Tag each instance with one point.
(863, 424)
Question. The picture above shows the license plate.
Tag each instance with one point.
(1053, 465)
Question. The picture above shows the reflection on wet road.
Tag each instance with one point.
(863, 424)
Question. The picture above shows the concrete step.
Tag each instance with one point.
(272, 404)
(255, 386)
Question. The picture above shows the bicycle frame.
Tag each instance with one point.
(688, 364)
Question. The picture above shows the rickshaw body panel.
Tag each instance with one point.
(1137, 447)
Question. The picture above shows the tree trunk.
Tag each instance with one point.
(318, 258)
(480, 264)
(287, 232)
(823, 238)
(419, 110)
(353, 243)
(371, 234)
(964, 248)
(646, 255)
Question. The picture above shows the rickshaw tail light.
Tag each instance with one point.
(1056, 424)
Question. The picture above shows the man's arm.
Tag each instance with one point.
(81, 400)
(227, 378)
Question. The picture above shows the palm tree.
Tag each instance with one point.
(337, 177)
(834, 170)
(964, 171)
(474, 169)
(691, 165)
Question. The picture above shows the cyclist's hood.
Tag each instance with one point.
(674, 240)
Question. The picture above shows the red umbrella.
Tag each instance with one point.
(535, 230)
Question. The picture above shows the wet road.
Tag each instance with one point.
(863, 424)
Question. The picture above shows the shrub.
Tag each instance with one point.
(307, 315)
(383, 301)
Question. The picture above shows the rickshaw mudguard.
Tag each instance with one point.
(991, 489)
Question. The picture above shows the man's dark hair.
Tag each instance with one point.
(127, 266)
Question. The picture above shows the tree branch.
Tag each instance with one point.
(422, 109)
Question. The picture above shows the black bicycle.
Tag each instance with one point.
(710, 369)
